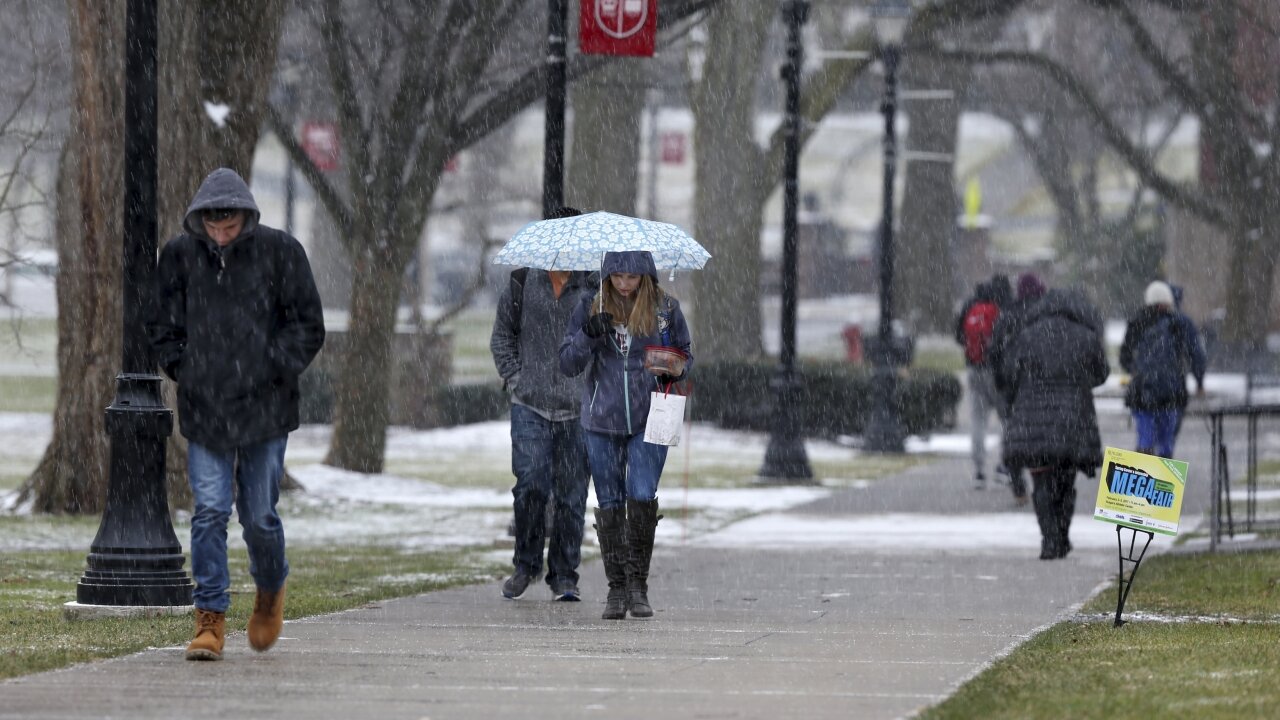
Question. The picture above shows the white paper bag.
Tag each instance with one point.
(666, 418)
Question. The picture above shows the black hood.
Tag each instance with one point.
(224, 188)
(1069, 304)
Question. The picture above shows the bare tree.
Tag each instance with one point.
(1105, 252)
(72, 476)
(736, 176)
(414, 82)
(211, 50)
(1213, 66)
(31, 125)
(605, 150)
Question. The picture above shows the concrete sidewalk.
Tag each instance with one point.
(814, 631)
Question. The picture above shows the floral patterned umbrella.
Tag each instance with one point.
(580, 242)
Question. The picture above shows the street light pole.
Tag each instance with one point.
(291, 102)
(557, 79)
(884, 432)
(785, 459)
(136, 559)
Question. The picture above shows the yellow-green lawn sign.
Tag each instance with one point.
(1141, 491)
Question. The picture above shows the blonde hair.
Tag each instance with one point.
(641, 314)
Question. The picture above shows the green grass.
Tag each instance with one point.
(472, 361)
(1243, 586)
(1139, 671)
(941, 359)
(10, 481)
(1268, 474)
(1223, 668)
(34, 636)
(27, 394)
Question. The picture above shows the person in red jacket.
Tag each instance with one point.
(975, 326)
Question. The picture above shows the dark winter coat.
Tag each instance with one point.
(1052, 365)
(526, 350)
(1160, 347)
(235, 326)
(1008, 325)
(615, 398)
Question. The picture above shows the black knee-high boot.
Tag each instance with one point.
(1043, 497)
(1066, 510)
(611, 531)
(642, 522)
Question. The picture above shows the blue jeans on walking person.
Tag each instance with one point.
(1157, 430)
(255, 471)
(548, 455)
(624, 466)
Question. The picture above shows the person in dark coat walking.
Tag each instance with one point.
(238, 320)
(1160, 347)
(1008, 325)
(1052, 365)
(607, 337)
(548, 455)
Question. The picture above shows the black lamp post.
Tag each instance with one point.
(557, 79)
(785, 459)
(290, 77)
(136, 559)
(884, 432)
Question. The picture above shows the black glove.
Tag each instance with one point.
(598, 325)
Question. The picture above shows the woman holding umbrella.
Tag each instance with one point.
(607, 336)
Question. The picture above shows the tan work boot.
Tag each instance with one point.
(211, 632)
(267, 619)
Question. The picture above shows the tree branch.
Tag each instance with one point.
(1135, 156)
(464, 298)
(329, 197)
(1146, 45)
(335, 36)
(819, 94)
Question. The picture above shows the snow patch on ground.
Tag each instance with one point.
(909, 533)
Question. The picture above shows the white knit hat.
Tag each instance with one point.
(1159, 293)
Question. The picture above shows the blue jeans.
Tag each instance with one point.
(547, 456)
(624, 466)
(1157, 430)
(255, 470)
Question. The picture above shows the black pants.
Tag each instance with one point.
(1055, 501)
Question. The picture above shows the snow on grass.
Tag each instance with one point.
(908, 533)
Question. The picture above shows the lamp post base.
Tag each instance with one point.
(136, 558)
(785, 459)
(884, 432)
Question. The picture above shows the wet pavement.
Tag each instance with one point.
(816, 620)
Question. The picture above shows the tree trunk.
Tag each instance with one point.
(190, 145)
(603, 165)
(362, 389)
(925, 272)
(72, 475)
(1252, 273)
(726, 308)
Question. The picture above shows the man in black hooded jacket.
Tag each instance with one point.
(238, 320)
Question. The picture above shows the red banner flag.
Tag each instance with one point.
(618, 27)
(320, 142)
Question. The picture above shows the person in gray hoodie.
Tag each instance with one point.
(238, 319)
(607, 337)
(548, 456)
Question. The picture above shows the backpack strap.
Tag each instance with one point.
(517, 297)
